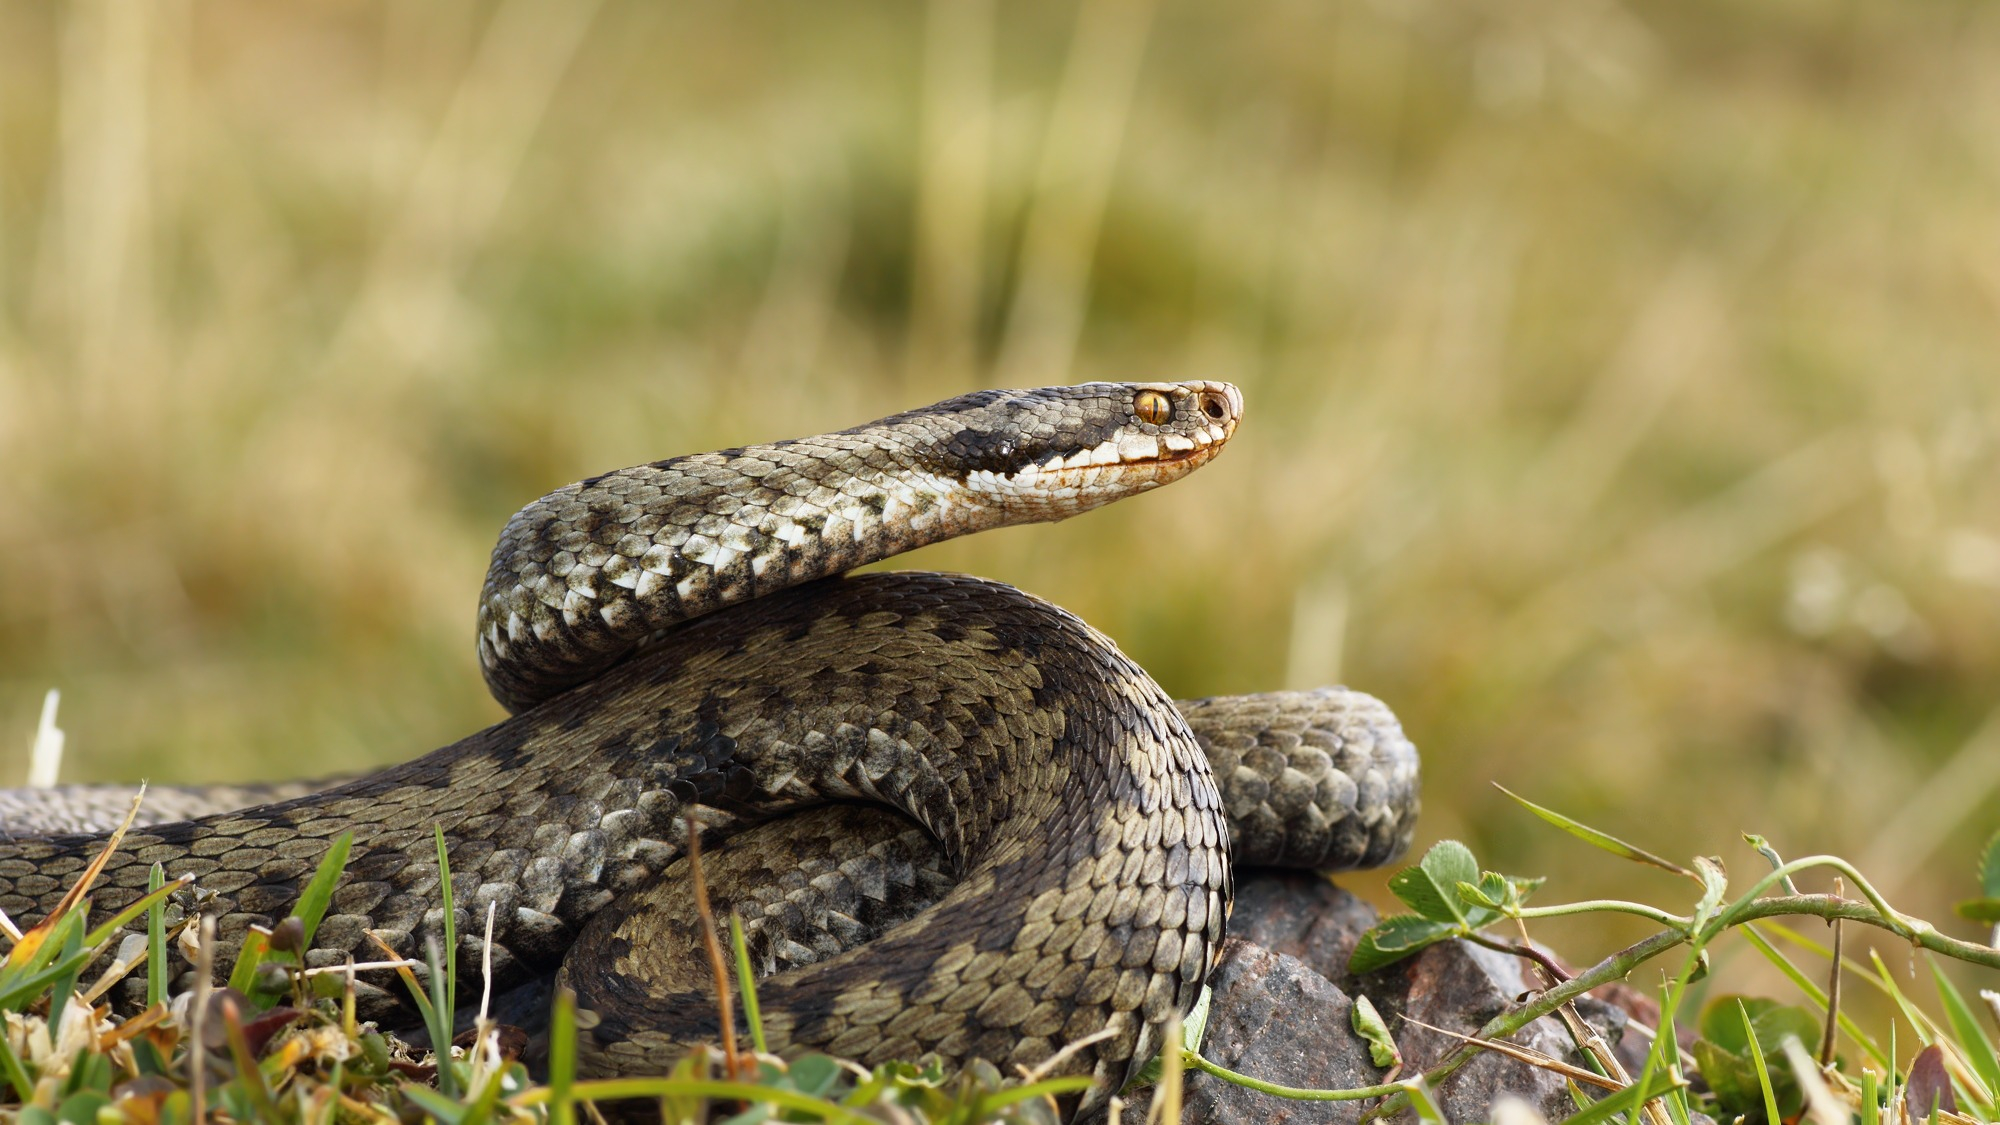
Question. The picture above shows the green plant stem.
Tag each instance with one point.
(1604, 906)
(1548, 964)
(1295, 1093)
(1888, 917)
(1874, 912)
(619, 1089)
(1852, 910)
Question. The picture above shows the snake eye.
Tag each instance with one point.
(1213, 406)
(1153, 407)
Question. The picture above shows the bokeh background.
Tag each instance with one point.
(1623, 378)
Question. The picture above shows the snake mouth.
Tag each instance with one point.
(1058, 488)
(1097, 481)
(1210, 410)
(1175, 428)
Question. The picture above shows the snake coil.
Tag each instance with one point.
(960, 820)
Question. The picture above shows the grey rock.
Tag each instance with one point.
(1281, 1010)
(1273, 1017)
(1302, 915)
(1457, 987)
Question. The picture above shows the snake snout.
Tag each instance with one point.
(1220, 403)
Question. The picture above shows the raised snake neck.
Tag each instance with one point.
(1067, 791)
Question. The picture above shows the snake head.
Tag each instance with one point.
(1052, 452)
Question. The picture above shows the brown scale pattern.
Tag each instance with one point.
(1322, 780)
(1076, 803)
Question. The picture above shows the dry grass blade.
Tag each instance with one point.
(1823, 1106)
(132, 1028)
(31, 941)
(204, 982)
(1042, 1069)
(1528, 1055)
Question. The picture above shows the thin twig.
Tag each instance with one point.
(1828, 1037)
(714, 945)
(352, 967)
(1556, 974)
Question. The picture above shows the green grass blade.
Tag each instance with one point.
(1771, 1115)
(479, 1111)
(156, 940)
(1920, 1023)
(562, 1060)
(1424, 1104)
(17, 1075)
(1663, 1061)
(105, 931)
(1047, 1087)
(1972, 1040)
(35, 958)
(439, 1020)
(1889, 1077)
(450, 997)
(1807, 985)
(249, 1077)
(74, 954)
(1624, 1101)
(1577, 1098)
(619, 1089)
(1597, 839)
(744, 981)
(1665, 1056)
(437, 1105)
(25, 990)
(1876, 977)
(319, 893)
(310, 908)
(243, 974)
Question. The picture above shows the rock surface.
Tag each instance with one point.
(1273, 1017)
(1282, 1011)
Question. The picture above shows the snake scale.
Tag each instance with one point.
(959, 820)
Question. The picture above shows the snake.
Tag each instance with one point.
(961, 821)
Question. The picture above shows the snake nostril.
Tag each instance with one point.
(1213, 406)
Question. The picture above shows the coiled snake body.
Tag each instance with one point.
(677, 645)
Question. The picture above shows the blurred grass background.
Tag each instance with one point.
(1621, 377)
